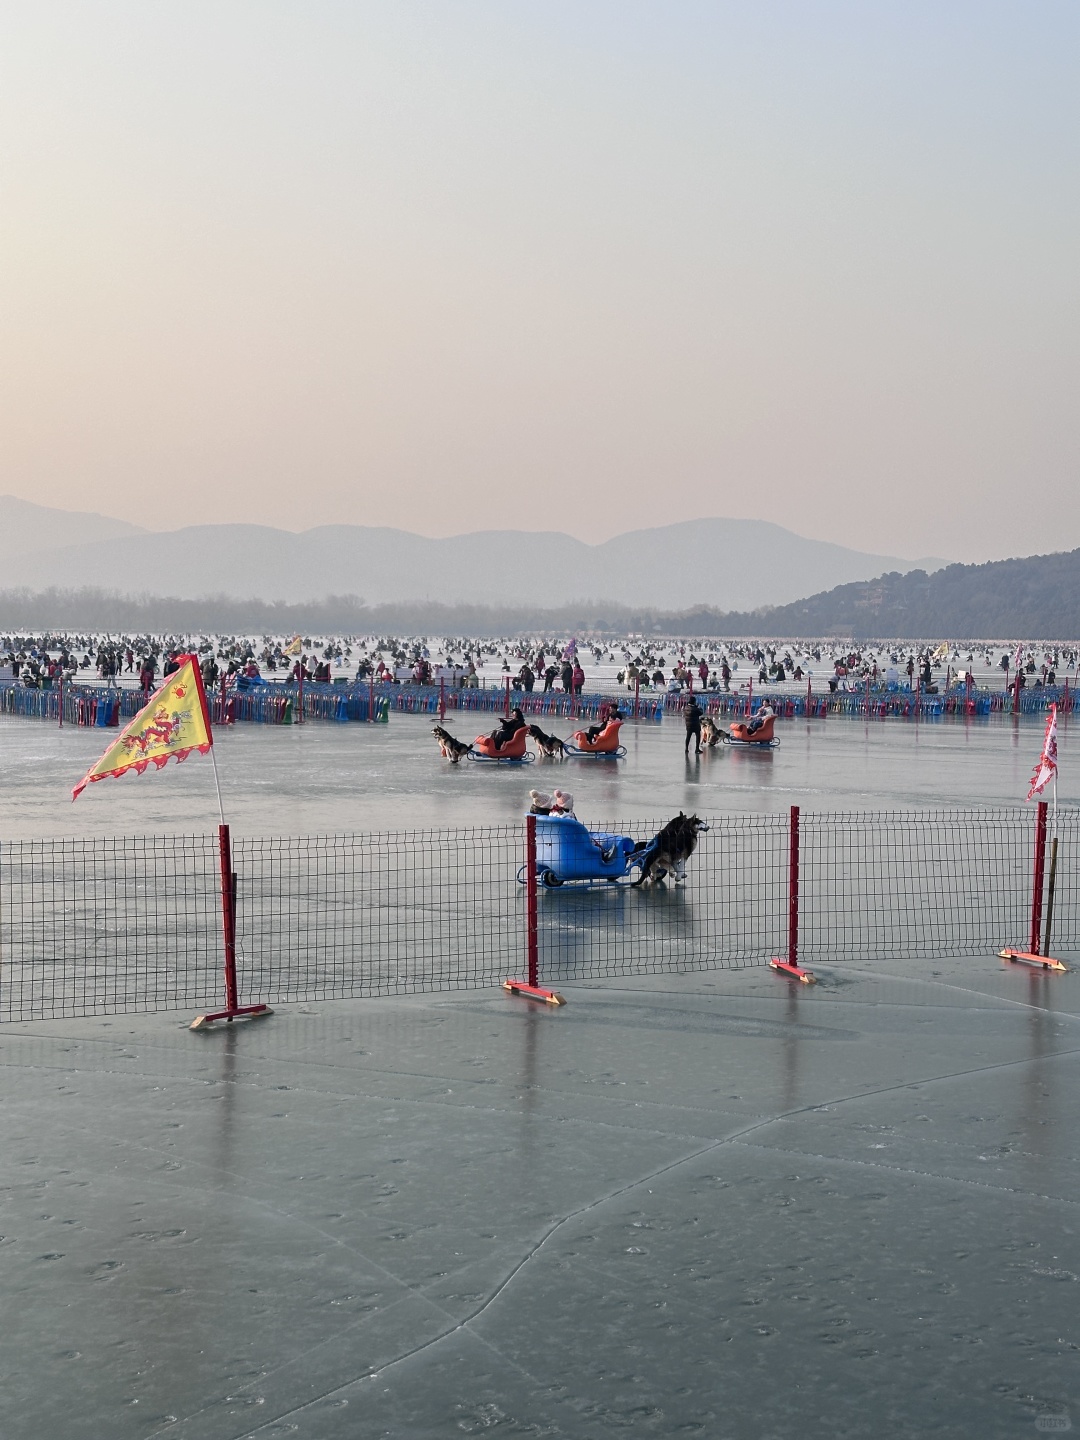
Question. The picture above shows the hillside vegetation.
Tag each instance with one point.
(1034, 598)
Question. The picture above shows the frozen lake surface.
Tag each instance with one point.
(705, 1204)
(324, 778)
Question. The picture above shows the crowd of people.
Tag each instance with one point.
(571, 666)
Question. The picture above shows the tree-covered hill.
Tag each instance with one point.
(1034, 597)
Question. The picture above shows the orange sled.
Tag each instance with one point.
(606, 743)
(483, 748)
(739, 734)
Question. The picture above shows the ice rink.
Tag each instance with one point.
(696, 1205)
(328, 778)
(709, 1204)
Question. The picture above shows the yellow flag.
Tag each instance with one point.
(294, 646)
(174, 722)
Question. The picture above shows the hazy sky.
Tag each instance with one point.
(586, 266)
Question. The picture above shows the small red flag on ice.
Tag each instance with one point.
(1046, 769)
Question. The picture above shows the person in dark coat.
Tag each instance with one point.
(692, 720)
(511, 725)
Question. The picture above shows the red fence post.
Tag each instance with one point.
(793, 889)
(532, 987)
(1037, 882)
(300, 694)
(228, 915)
(750, 697)
(442, 698)
(1035, 954)
(637, 692)
(508, 697)
(791, 966)
(532, 943)
(233, 1008)
(62, 699)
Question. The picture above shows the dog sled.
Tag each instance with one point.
(747, 739)
(514, 752)
(568, 852)
(606, 745)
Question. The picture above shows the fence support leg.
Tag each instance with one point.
(532, 988)
(233, 1009)
(791, 965)
(1032, 955)
(1050, 896)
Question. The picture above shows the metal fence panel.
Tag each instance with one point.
(104, 925)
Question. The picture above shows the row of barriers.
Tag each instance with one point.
(287, 704)
(93, 925)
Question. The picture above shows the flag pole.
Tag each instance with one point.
(217, 785)
(233, 1009)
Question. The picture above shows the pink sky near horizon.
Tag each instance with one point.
(587, 267)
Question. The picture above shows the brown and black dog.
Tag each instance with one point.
(549, 745)
(711, 734)
(452, 749)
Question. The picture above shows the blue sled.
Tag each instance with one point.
(567, 851)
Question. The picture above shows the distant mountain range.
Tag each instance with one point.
(718, 563)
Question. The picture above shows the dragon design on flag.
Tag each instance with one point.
(163, 729)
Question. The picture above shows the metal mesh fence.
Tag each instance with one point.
(100, 926)
(95, 926)
(949, 882)
(380, 914)
(731, 910)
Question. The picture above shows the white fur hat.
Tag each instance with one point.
(564, 800)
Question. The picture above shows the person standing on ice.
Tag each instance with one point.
(692, 720)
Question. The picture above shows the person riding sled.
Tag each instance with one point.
(607, 714)
(758, 722)
(510, 726)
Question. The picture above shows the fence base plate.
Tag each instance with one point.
(244, 1012)
(1025, 957)
(795, 971)
(533, 992)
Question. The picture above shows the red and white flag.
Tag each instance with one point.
(1046, 769)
